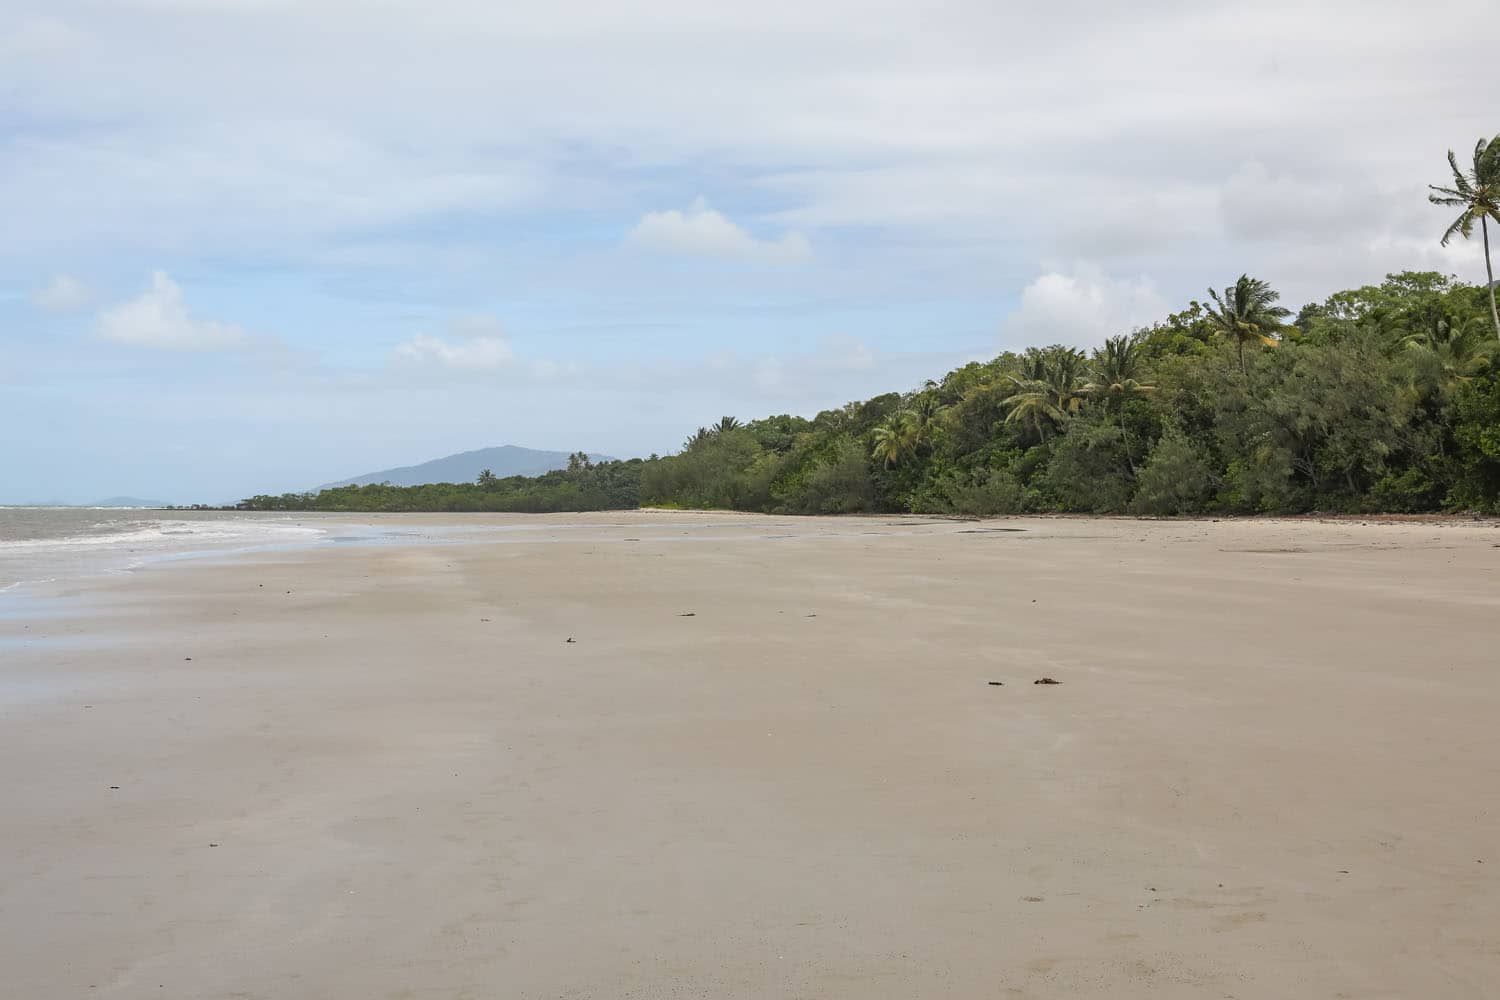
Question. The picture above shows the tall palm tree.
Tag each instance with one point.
(726, 424)
(1115, 382)
(1114, 373)
(1478, 194)
(1247, 313)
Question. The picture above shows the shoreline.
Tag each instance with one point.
(752, 756)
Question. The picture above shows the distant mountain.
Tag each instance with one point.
(507, 460)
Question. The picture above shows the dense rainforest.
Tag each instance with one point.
(1381, 398)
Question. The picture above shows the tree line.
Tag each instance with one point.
(584, 485)
(1384, 398)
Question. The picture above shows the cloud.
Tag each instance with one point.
(703, 232)
(477, 345)
(972, 132)
(159, 318)
(64, 293)
(1081, 309)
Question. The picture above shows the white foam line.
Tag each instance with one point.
(188, 531)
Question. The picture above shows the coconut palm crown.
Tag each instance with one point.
(1247, 313)
(1477, 193)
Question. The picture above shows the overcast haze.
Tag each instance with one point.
(254, 245)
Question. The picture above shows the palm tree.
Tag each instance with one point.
(725, 425)
(1115, 370)
(904, 434)
(925, 411)
(1049, 390)
(487, 479)
(1247, 314)
(925, 406)
(697, 438)
(893, 440)
(1032, 405)
(1456, 355)
(1478, 194)
(1115, 382)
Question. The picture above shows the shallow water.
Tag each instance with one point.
(57, 546)
(49, 544)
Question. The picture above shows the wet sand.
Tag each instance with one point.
(770, 764)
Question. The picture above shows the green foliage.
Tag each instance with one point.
(1090, 469)
(605, 486)
(1182, 333)
(1116, 373)
(712, 471)
(1176, 479)
(1312, 426)
(983, 493)
(1384, 397)
(839, 483)
(1049, 390)
(1477, 433)
(778, 433)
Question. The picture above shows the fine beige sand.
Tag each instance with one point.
(1271, 768)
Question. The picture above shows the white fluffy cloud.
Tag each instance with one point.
(1081, 309)
(477, 344)
(159, 318)
(64, 293)
(705, 232)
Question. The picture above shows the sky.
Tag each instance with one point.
(255, 245)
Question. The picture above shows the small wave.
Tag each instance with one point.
(163, 531)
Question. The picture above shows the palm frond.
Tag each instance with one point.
(1459, 180)
(1463, 226)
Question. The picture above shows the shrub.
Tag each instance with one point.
(984, 493)
(1175, 479)
(1090, 472)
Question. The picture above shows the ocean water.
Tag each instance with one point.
(57, 545)
(51, 544)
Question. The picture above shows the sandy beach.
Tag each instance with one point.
(692, 755)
